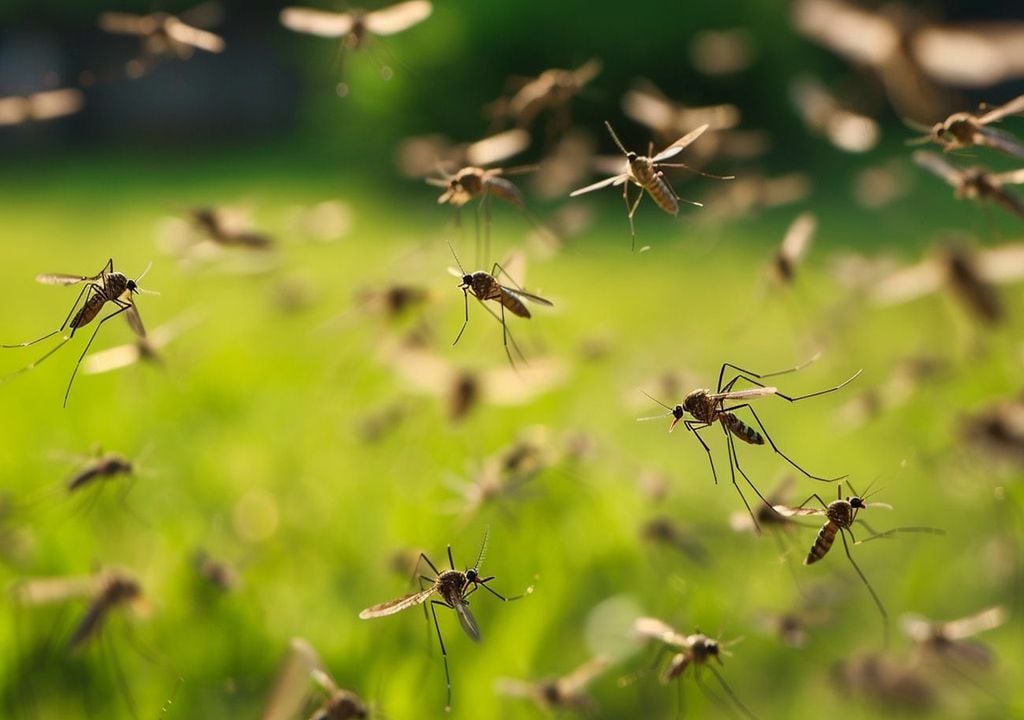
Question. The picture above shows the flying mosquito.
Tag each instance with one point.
(707, 408)
(969, 274)
(216, 573)
(795, 245)
(695, 650)
(645, 172)
(568, 692)
(454, 588)
(39, 106)
(975, 183)
(106, 286)
(302, 669)
(668, 119)
(998, 428)
(887, 683)
(664, 530)
(950, 641)
(104, 466)
(165, 35)
(420, 155)
(146, 348)
(965, 129)
(227, 227)
(485, 286)
(551, 90)
(824, 115)
(840, 515)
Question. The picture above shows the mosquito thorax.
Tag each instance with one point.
(841, 512)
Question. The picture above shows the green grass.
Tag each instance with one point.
(258, 408)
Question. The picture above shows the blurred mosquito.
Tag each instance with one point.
(707, 408)
(302, 669)
(227, 227)
(454, 588)
(695, 650)
(552, 91)
(823, 114)
(105, 466)
(165, 35)
(356, 27)
(964, 130)
(145, 349)
(887, 683)
(106, 286)
(668, 119)
(795, 245)
(969, 274)
(420, 155)
(686, 539)
(485, 286)
(840, 515)
(950, 641)
(558, 693)
(975, 183)
(45, 105)
(998, 428)
(645, 171)
(216, 573)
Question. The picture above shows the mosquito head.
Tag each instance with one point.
(467, 281)
(857, 503)
(472, 576)
(631, 156)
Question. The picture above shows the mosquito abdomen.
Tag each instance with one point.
(823, 543)
(741, 430)
(514, 305)
(662, 194)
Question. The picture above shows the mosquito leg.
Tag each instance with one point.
(122, 680)
(632, 211)
(629, 216)
(721, 372)
(728, 691)
(465, 322)
(695, 426)
(874, 595)
(733, 465)
(715, 697)
(416, 568)
(776, 448)
(813, 496)
(736, 460)
(451, 561)
(444, 653)
(63, 325)
(33, 364)
(476, 224)
(495, 593)
(121, 308)
(486, 203)
(497, 268)
(507, 334)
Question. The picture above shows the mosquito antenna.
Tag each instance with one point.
(483, 551)
(658, 401)
(148, 267)
(616, 138)
(457, 262)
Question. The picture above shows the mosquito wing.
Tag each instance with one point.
(421, 370)
(403, 603)
(679, 145)
(655, 629)
(648, 107)
(64, 279)
(515, 688)
(127, 24)
(55, 103)
(399, 17)
(202, 39)
(574, 682)
(506, 386)
(787, 511)
(528, 296)
(858, 35)
(497, 147)
(1014, 107)
(1013, 177)
(111, 359)
(977, 55)
(291, 688)
(317, 22)
(1003, 141)
(41, 591)
(744, 394)
(1001, 264)
(987, 619)
(614, 180)
(134, 320)
(798, 237)
(909, 283)
(466, 620)
(937, 165)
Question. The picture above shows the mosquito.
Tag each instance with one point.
(551, 90)
(645, 172)
(840, 515)
(454, 588)
(227, 227)
(568, 692)
(695, 650)
(147, 349)
(686, 539)
(795, 245)
(106, 286)
(649, 106)
(950, 641)
(105, 466)
(975, 183)
(998, 427)
(165, 35)
(485, 286)
(291, 693)
(707, 408)
(216, 573)
(886, 682)
(965, 129)
(823, 114)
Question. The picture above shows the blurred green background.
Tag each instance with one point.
(249, 437)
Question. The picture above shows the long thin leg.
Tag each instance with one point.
(506, 334)
(791, 398)
(736, 460)
(721, 372)
(486, 203)
(733, 466)
(451, 561)
(631, 211)
(730, 693)
(695, 427)
(33, 364)
(776, 448)
(465, 322)
(715, 697)
(495, 593)
(444, 653)
(122, 680)
(497, 268)
(63, 325)
(889, 533)
(476, 224)
(874, 595)
(813, 496)
(121, 308)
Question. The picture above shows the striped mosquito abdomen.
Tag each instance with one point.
(514, 305)
(114, 285)
(740, 429)
(823, 543)
(502, 188)
(651, 180)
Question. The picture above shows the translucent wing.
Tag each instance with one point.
(1014, 107)
(127, 24)
(515, 688)
(579, 678)
(112, 359)
(466, 620)
(614, 180)
(1001, 264)
(681, 144)
(1013, 177)
(987, 619)
(655, 629)
(202, 39)
(403, 603)
(40, 591)
(528, 296)
(787, 511)
(421, 370)
(64, 279)
(497, 147)
(1003, 141)
(131, 315)
(291, 688)
(649, 108)
(396, 18)
(744, 394)
(971, 55)
(856, 34)
(55, 103)
(316, 22)
(505, 386)
(798, 237)
(909, 283)
(938, 165)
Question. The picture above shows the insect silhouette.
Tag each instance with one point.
(998, 428)
(886, 682)
(823, 114)
(706, 408)
(104, 467)
(965, 129)
(227, 227)
(975, 183)
(551, 90)
(291, 693)
(164, 35)
(558, 693)
(840, 515)
(950, 641)
(668, 119)
(44, 105)
(664, 530)
(145, 349)
(697, 650)
(795, 246)
(645, 172)
(485, 286)
(107, 286)
(454, 588)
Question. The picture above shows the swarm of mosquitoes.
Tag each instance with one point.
(908, 57)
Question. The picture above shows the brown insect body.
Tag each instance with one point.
(342, 705)
(107, 466)
(645, 174)
(115, 285)
(472, 182)
(971, 288)
(485, 287)
(709, 410)
(841, 514)
(117, 590)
